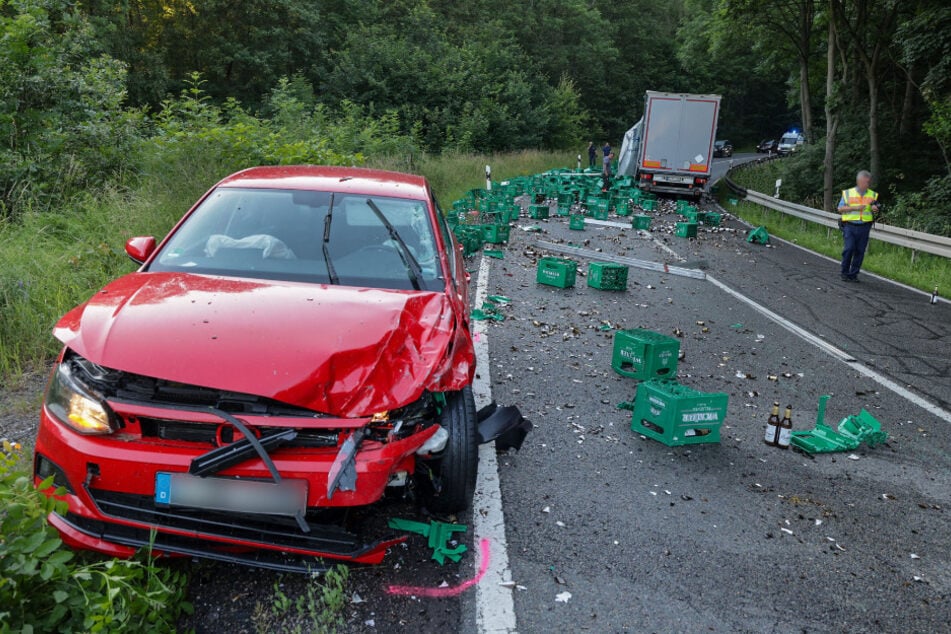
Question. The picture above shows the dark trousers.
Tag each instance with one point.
(591, 160)
(855, 241)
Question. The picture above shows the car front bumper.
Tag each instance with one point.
(111, 490)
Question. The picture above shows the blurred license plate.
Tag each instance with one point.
(289, 497)
(674, 179)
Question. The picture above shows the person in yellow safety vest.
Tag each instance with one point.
(857, 206)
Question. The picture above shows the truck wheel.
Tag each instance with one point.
(447, 480)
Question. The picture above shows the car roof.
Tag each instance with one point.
(351, 180)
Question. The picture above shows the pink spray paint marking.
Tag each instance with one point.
(476, 337)
(453, 591)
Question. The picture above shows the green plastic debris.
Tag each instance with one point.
(758, 235)
(498, 299)
(492, 253)
(852, 431)
(629, 406)
(438, 535)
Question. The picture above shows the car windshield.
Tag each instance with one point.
(280, 235)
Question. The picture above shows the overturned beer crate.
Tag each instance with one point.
(558, 272)
(538, 212)
(675, 414)
(576, 222)
(686, 230)
(712, 219)
(641, 221)
(495, 234)
(644, 354)
(607, 276)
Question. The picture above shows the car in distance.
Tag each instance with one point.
(722, 148)
(296, 346)
(768, 146)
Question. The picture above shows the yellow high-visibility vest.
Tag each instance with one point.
(853, 197)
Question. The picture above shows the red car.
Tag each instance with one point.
(296, 345)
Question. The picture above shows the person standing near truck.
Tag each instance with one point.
(606, 149)
(592, 154)
(857, 206)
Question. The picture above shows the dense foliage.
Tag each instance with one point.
(45, 587)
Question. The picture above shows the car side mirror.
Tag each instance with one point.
(140, 248)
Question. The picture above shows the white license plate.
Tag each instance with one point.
(289, 497)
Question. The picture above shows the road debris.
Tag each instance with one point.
(562, 597)
(438, 534)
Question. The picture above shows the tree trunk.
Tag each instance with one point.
(805, 100)
(832, 122)
(874, 149)
(907, 107)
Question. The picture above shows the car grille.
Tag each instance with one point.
(206, 433)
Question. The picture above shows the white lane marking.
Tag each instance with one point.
(835, 261)
(495, 608)
(824, 345)
(838, 353)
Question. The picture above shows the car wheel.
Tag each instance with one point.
(447, 481)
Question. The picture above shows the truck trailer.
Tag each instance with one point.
(670, 149)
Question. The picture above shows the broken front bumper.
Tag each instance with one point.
(111, 492)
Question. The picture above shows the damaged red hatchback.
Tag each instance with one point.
(296, 345)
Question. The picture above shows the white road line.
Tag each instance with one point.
(824, 345)
(495, 608)
(838, 353)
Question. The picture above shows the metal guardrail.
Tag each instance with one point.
(909, 238)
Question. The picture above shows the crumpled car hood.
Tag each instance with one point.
(338, 350)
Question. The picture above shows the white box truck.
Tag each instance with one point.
(670, 149)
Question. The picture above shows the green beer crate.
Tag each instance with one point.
(644, 354)
(495, 234)
(641, 221)
(607, 276)
(576, 222)
(676, 415)
(538, 212)
(686, 229)
(692, 215)
(558, 272)
(647, 204)
(712, 218)
(564, 210)
(600, 213)
(623, 207)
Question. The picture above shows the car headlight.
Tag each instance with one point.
(75, 406)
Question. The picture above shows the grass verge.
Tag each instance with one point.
(453, 174)
(922, 271)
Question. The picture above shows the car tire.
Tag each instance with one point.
(448, 480)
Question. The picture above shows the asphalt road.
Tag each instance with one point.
(735, 536)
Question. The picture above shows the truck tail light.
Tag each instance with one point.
(699, 181)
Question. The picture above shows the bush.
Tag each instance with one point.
(45, 587)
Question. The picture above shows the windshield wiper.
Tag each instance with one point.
(412, 266)
(331, 271)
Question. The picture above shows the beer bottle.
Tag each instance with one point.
(772, 427)
(934, 295)
(785, 429)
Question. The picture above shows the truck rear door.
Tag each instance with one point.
(680, 134)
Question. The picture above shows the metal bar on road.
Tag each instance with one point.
(648, 265)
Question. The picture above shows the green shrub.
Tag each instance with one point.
(45, 587)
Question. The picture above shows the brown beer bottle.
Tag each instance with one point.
(785, 429)
(772, 427)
